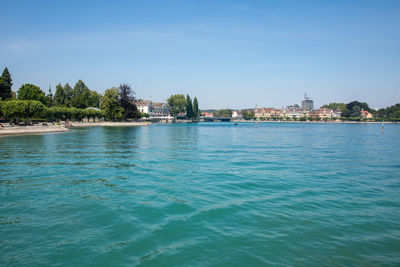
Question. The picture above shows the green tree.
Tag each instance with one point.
(31, 92)
(127, 100)
(80, 95)
(59, 96)
(248, 114)
(361, 105)
(196, 111)
(177, 104)
(346, 113)
(111, 106)
(69, 93)
(94, 99)
(5, 85)
(189, 107)
(19, 109)
(389, 113)
(355, 111)
(334, 105)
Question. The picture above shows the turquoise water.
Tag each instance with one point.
(202, 194)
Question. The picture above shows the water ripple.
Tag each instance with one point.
(205, 194)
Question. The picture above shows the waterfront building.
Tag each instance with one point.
(336, 113)
(307, 103)
(294, 112)
(276, 113)
(325, 113)
(263, 113)
(268, 113)
(207, 114)
(366, 115)
(154, 109)
(143, 106)
(237, 115)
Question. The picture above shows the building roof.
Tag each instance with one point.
(158, 104)
(143, 103)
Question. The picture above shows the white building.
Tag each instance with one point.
(237, 115)
(143, 106)
(154, 109)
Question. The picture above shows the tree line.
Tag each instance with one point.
(185, 107)
(77, 103)
(352, 111)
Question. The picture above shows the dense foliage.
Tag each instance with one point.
(63, 95)
(127, 100)
(196, 111)
(67, 103)
(334, 105)
(80, 95)
(248, 114)
(352, 110)
(17, 110)
(180, 105)
(189, 107)
(390, 113)
(31, 92)
(177, 104)
(111, 105)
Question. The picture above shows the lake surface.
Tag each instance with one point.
(202, 194)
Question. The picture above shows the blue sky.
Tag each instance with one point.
(230, 54)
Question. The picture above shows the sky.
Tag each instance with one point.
(229, 54)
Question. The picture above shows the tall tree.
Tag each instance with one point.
(5, 85)
(189, 107)
(248, 114)
(94, 99)
(80, 95)
(31, 92)
(355, 112)
(59, 96)
(177, 104)
(111, 106)
(68, 92)
(196, 110)
(361, 105)
(127, 100)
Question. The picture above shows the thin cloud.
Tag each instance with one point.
(18, 46)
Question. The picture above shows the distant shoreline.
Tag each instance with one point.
(325, 122)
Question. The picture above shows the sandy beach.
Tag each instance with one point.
(10, 130)
(109, 123)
